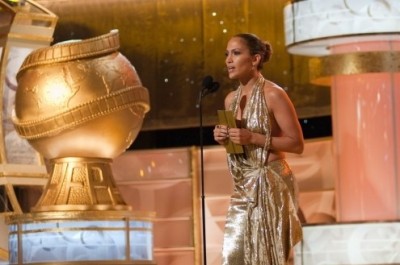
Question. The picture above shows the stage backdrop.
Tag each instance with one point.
(174, 44)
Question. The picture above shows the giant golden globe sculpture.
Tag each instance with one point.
(80, 104)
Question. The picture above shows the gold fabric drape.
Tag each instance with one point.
(262, 223)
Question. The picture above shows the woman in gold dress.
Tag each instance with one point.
(262, 223)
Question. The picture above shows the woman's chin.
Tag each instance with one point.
(232, 75)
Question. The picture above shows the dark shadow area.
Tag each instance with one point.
(312, 128)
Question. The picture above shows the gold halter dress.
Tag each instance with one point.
(262, 223)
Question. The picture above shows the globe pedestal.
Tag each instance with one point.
(81, 217)
(81, 184)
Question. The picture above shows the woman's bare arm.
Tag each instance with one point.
(286, 130)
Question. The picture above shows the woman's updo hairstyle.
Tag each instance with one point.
(257, 46)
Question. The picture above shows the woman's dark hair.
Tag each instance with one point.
(257, 46)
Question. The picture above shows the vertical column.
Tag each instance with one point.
(366, 120)
(359, 49)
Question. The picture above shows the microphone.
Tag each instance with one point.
(209, 86)
(214, 87)
(208, 82)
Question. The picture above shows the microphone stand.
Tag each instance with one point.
(208, 87)
(199, 105)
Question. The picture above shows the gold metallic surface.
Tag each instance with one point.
(22, 171)
(254, 233)
(97, 46)
(80, 99)
(322, 68)
(3, 254)
(80, 104)
(131, 97)
(79, 215)
(81, 184)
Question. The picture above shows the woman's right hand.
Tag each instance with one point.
(221, 134)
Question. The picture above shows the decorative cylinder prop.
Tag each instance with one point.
(80, 104)
(356, 46)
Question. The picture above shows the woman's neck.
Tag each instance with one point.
(248, 84)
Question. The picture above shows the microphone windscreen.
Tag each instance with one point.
(214, 87)
(208, 82)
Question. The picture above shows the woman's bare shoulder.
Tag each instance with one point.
(231, 94)
(229, 98)
(273, 90)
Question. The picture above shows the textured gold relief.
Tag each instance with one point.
(97, 175)
(80, 188)
(70, 51)
(322, 68)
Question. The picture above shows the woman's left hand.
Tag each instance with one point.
(240, 136)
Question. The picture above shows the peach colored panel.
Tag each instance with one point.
(396, 98)
(152, 164)
(176, 233)
(167, 200)
(174, 258)
(365, 117)
(366, 46)
(364, 107)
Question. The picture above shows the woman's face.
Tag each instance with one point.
(239, 61)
